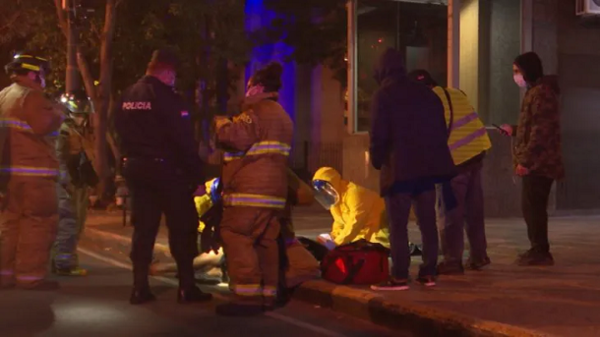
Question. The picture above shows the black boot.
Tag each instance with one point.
(141, 296)
(192, 295)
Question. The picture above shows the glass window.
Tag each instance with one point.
(418, 29)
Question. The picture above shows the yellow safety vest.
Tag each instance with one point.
(468, 136)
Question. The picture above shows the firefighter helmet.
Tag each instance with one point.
(26, 62)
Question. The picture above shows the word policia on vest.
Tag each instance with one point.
(137, 106)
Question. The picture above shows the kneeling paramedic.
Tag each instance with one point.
(254, 195)
(358, 213)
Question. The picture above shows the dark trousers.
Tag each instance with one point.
(535, 194)
(155, 191)
(467, 216)
(398, 207)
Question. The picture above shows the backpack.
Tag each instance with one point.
(359, 262)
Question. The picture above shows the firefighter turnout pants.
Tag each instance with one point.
(249, 237)
(155, 190)
(28, 223)
(72, 213)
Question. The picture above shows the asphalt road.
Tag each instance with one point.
(97, 305)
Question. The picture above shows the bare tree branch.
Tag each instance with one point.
(62, 18)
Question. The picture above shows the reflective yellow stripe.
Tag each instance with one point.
(29, 171)
(253, 200)
(266, 147)
(247, 289)
(30, 67)
(14, 124)
(17, 124)
(269, 291)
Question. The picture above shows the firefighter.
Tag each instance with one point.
(254, 193)
(29, 171)
(75, 150)
(163, 169)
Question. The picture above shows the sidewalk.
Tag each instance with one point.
(503, 300)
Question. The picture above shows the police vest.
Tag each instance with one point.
(468, 136)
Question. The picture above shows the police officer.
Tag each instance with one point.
(75, 150)
(162, 169)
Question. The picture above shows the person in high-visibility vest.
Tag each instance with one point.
(468, 142)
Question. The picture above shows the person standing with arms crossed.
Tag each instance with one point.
(163, 169)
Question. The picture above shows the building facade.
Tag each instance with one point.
(471, 45)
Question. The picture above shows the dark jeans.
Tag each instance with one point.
(154, 191)
(536, 191)
(468, 216)
(398, 208)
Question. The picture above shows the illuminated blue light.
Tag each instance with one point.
(258, 16)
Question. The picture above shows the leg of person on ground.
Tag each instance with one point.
(398, 209)
(425, 209)
(451, 226)
(475, 222)
(38, 227)
(536, 192)
(182, 221)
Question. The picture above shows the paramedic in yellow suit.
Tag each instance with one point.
(358, 213)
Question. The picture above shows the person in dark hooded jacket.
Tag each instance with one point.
(409, 144)
(537, 152)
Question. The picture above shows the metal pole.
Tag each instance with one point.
(71, 76)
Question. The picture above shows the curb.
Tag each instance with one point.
(419, 319)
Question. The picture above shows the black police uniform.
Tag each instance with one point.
(162, 168)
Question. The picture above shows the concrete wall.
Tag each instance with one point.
(578, 66)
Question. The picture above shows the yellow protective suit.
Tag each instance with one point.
(360, 213)
(204, 203)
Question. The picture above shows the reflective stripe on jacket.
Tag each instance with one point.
(468, 135)
(29, 124)
(260, 148)
(258, 144)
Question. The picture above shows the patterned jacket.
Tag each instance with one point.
(537, 145)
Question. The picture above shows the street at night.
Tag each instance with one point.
(98, 305)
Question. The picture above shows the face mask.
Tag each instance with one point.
(255, 90)
(519, 80)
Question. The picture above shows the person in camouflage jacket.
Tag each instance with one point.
(537, 152)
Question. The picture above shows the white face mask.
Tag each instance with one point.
(519, 80)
